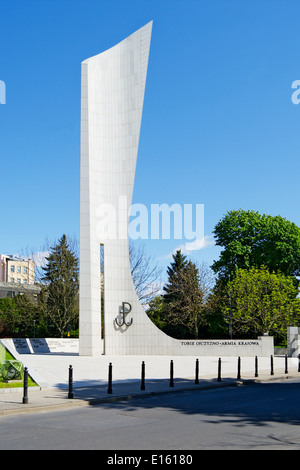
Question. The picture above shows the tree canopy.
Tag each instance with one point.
(262, 302)
(250, 239)
(20, 316)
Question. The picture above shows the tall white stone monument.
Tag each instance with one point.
(112, 95)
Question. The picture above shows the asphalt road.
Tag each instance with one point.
(250, 417)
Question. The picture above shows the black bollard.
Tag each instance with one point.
(272, 367)
(256, 367)
(219, 370)
(25, 391)
(239, 369)
(143, 376)
(109, 389)
(286, 364)
(197, 372)
(70, 394)
(171, 374)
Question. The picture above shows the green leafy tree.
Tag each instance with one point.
(62, 286)
(20, 316)
(262, 302)
(9, 318)
(250, 239)
(31, 316)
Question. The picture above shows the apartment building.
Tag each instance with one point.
(16, 276)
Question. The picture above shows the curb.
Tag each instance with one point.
(42, 408)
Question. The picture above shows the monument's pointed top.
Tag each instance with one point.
(144, 30)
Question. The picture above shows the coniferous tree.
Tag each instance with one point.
(177, 266)
(183, 300)
(62, 286)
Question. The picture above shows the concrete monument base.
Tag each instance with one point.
(261, 347)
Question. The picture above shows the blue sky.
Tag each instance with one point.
(219, 127)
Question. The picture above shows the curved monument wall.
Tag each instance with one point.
(113, 85)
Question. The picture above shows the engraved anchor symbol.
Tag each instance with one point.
(124, 310)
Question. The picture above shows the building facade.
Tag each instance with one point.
(16, 276)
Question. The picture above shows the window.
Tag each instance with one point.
(25, 270)
(19, 281)
(12, 279)
(18, 269)
(24, 281)
(12, 269)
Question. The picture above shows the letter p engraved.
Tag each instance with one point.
(120, 320)
(2, 92)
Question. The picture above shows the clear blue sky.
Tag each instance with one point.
(219, 127)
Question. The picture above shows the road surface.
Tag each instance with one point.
(254, 417)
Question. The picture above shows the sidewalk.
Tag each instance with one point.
(90, 382)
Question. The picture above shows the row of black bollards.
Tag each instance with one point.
(171, 381)
(256, 367)
(143, 386)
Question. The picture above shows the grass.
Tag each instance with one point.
(17, 383)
